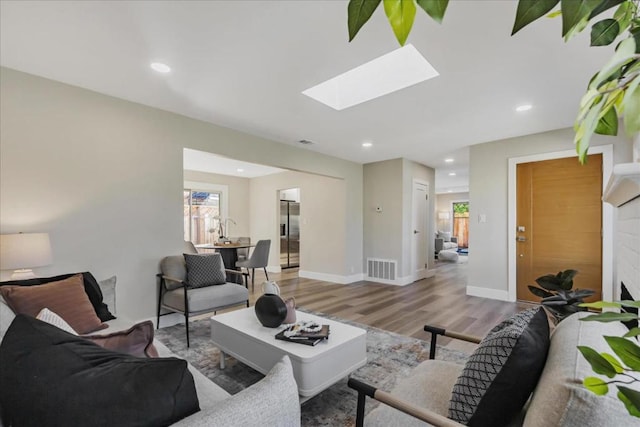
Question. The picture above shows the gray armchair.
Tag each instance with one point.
(175, 295)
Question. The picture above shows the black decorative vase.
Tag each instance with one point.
(271, 310)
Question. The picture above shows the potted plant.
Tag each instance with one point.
(558, 295)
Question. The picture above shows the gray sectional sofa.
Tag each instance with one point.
(273, 401)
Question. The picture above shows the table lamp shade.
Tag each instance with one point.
(24, 251)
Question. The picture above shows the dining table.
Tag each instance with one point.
(229, 253)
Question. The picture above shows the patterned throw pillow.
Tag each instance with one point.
(502, 372)
(205, 270)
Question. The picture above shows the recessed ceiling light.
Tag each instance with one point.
(524, 107)
(449, 191)
(388, 73)
(449, 160)
(367, 144)
(240, 170)
(452, 174)
(160, 67)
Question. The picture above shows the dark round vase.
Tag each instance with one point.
(271, 310)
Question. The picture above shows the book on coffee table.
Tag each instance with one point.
(303, 337)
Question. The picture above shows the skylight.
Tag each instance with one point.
(388, 73)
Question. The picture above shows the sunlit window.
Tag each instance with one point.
(201, 216)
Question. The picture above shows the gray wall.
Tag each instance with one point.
(104, 176)
(488, 178)
(389, 184)
(322, 222)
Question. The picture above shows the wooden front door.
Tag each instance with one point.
(559, 222)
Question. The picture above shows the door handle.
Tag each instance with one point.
(521, 239)
(415, 232)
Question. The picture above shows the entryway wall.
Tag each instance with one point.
(489, 197)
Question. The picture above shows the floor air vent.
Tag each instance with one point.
(381, 268)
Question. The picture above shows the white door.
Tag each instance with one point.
(419, 230)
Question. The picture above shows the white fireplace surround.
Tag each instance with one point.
(623, 192)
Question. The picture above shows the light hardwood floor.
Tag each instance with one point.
(439, 301)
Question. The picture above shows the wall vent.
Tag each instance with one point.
(381, 268)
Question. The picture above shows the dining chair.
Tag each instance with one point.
(189, 248)
(243, 253)
(259, 259)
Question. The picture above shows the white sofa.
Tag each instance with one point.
(273, 401)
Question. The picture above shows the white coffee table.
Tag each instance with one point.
(240, 334)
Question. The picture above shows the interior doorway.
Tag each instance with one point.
(559, 222)
(420, 219)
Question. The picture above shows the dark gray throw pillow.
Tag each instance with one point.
(502, 372)
(205, 270)
(52, 378)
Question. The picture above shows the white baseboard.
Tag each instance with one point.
(497, 294)
(326, 277)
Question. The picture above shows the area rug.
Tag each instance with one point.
(390, 357)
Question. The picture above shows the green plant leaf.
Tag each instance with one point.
(549, 282)
(623, 55)
(358, 13)
(631, 106)
(614, 362)
(575, 15)
(626, 303)
(601, 304)
(626, 350)
(539, 292)
(596, 385)
(633, 332)
(580, 294)
(554, 14)
(434, 8)
(585, 129)
(603, 33)
(605, 5)
(566, 278)
(624, 14)
(608, 124)
(401, 14)
(610, 317)
(599, 364)
(631, 400)
(530, 10)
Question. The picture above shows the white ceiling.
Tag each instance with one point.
(244, 64)
(207, 162)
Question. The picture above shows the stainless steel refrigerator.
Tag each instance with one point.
(289, 234)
